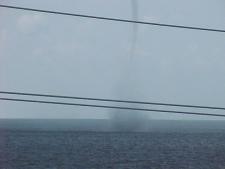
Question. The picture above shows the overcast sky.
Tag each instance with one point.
(45, 53)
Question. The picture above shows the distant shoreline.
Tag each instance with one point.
(104, 125)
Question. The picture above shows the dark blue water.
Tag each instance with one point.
(23, 149)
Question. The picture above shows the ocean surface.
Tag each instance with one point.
(198, 147)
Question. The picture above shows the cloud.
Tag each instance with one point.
(3, 38)
(29, 23)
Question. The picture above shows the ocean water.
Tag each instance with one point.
(71, 149)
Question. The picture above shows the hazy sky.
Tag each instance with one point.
(44, 53)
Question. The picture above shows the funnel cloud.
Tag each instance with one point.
(126, 120)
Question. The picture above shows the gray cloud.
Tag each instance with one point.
(74, 56)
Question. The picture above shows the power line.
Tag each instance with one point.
(114, 19)
(109, 107)
(112, 100)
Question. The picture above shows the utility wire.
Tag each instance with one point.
(113, 19)
(112, 100)
(109, 107)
